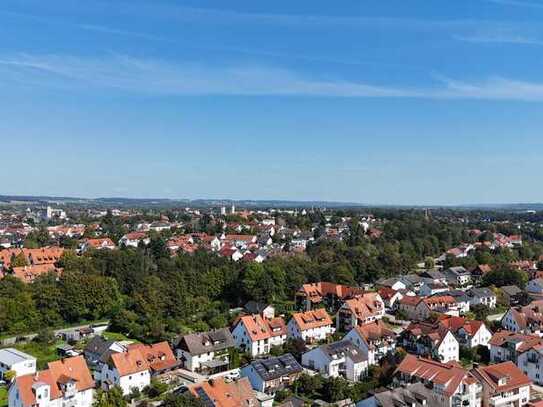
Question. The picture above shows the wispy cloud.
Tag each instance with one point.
(160, 77)
(518, 3)
(498, 38)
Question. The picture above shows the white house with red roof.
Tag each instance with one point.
(361, 309)
(413, 307)
(103, 243)
(310, 326)
(449, 382)
(430, 339)
(374, 339)
(257, 335)
(526, 320)
(504, 384)
(470, 333)
(133, 368)
(507, 345)
(133, 239)
(66, 383)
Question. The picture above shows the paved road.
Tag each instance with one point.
(58, 332)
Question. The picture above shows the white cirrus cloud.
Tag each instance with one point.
(153, 76)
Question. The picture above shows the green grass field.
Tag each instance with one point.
(44, 353)
(3, 396)
(115, 336)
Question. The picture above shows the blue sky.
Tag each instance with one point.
(383, 102)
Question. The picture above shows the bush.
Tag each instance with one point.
(155, 389)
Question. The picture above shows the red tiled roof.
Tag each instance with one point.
(507, 371)
(58, 372)
(28, 274)
(450, 375)
(226, 394)
(259, 328)
(312, 319)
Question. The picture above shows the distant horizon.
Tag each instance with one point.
(15, 197)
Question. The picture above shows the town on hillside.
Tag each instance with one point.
(214, 306)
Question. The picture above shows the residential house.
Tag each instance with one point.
(430, 340)
(394, 283)
(99, 348)
(413, 307)
(527, 319)
(97, 244)
(310, 326)
(435, 276)
(133, 368)
(231, 252)
(337, 359)
(28, 274)
(133, 239)
(535, 287)
(389, 296)
(412, 395)
(512, 294)
(272, 374)
(451, 385)
(504, 384)
(65, 383)
(257, 335)
(360, 310)
(17, 362)
(265, 310)
(429, 288)
(218, 392)
(206, 352)
(469, 333)
(374, 339)
(443, 303)
(481, 296)
(507, 345)
(531, 363)
(323, 293)
(458, 276)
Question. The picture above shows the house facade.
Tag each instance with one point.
(65, 383)
(257, 335)
(338, 359)
(16, 361)
(272, 374)
(310, 326)
(360, 310)
(374, 339)
(206, 352)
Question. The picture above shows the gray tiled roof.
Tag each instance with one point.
(204, 342)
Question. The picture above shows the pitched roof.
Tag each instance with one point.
(450, 375)
(259, 328)
(456, 323)
(520, 341)
(140, 357)
(411, 300)
(316, 291)
(28, 274)
(312, 319)
(374, 330)
(502, 377)
(276, 367)
(364, 306)
(219, 393)
(199, 343)
(343, 348)
(58, 373)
